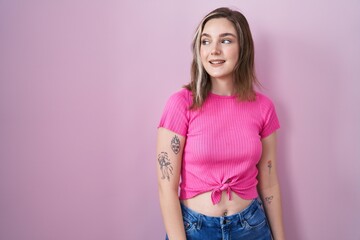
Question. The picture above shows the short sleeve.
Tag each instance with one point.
(270, 121)
(175, 115)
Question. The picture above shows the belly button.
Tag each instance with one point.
(225, 213)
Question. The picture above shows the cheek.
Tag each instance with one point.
(233, 53)
(236, 53)
(203, 55)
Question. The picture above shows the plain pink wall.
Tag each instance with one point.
(83, 84)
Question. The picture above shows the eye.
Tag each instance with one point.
(205, 42)
(226, 41)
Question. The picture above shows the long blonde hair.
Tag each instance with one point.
(244, 71)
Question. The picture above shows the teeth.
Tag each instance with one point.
(217, 62)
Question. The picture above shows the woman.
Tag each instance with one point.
(217, 141)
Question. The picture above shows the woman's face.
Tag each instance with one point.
(219, 49)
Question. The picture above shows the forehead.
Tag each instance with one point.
(217, 26)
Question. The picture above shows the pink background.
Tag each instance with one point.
(83, 84)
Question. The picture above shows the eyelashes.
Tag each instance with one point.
(205, 42)
(224, 41)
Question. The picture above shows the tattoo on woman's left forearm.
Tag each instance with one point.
(269, 165)
(269, 199)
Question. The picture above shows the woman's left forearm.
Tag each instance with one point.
(271, 198)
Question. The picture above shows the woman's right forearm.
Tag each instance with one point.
(172, 216)
(169, 152)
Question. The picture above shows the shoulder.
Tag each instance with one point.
(182, 93)
(175, 116)
(270, 121)
(265, 103)
(181, 97)
(262, 98)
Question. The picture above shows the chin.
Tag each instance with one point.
(221, 76)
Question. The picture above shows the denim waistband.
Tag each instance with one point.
(201, 219)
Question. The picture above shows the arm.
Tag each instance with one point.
(269, 188)
(169, 157)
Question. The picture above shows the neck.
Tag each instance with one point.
(224, 87)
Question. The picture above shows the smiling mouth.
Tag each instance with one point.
(216, 61)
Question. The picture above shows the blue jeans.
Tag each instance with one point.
(249, 224)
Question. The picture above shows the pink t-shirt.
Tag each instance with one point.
(223, 143)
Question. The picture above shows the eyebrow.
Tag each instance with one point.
(221, 35)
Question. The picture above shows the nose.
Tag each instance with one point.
(216, 49)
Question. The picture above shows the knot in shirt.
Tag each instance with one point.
(216, 193)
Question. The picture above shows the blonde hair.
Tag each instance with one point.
(244, 70)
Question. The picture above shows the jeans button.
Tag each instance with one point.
(225, 221)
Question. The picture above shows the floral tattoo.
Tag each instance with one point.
(269, 164)
(175, 144)
(165, 166)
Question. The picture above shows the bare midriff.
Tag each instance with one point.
(202, 204)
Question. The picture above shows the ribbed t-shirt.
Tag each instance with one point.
(223, 142)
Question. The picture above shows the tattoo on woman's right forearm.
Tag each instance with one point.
(175, 144)
(165, 166)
